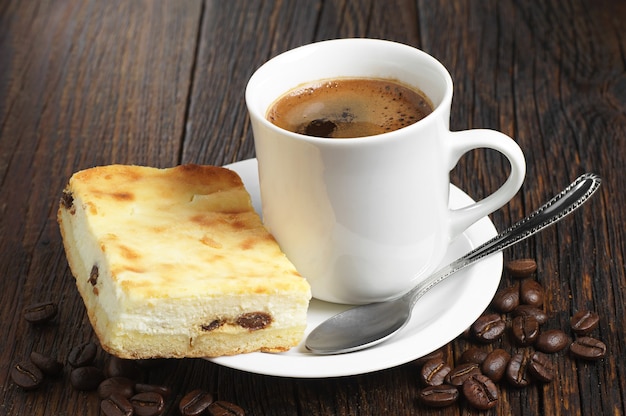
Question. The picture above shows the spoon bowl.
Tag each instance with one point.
(367, 325)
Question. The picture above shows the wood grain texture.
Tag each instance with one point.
(161, 83)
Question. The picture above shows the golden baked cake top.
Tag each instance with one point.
(180, 232)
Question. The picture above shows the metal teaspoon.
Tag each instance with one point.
(367, 325)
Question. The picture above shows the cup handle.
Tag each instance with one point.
(462, 142)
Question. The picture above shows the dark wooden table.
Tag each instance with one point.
(160, 83)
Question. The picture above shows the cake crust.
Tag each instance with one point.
(175, 263)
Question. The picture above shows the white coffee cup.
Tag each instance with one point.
(366, 219)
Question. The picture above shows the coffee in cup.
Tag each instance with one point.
(349, 107)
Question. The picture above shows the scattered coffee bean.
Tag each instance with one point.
(525, 366)
(531, 293)
(506, 299)
(525, 330)
(40, 313)
(495, 364)
(164, 391)
(434, 372)
(481, 393)
(439, 396)
(488, 328)
(583, 322)
(521, 268)
(47, 365)
(473, 355)
(552, 340)
(147, 404)
(118, 367)
(27, 375)
(540, 367)
(86, 378)
(540, 316)
(116, 405)
(120, 385)
(517, 370)
(457, 376)
(82, 355)
(588, 348)
(224, 408)
(195, 402)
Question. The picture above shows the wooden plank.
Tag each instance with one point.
(392, 20)
(238, 37)
(235, 39)
(86, 83)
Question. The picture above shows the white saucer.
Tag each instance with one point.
(439, 317)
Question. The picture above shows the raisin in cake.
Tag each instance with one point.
(176, 263)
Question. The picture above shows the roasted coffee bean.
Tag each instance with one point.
(540, 367)
(481, 393)
(462, 372)
(439, 396)
(47, 365)
(540, 316)
(118, 367)
(82, 355)
(195, 402)
(488, 328)
(434, 372)
(517, 370)
(116, 405)
(86, 378)
(521, 268)
(583, 322)
(473, 355)
(147, 404)
(506, 299)
(588, 348)
(164, 391)
(224, 408)
(531, 293)
(435, 354)
(27, 375)
(40, 313)
(525, 330)
(120, 385)
(495, 364)
(552, 340)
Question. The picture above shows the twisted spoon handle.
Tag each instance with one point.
(552, 211)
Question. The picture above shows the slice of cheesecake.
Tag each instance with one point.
(176, 263)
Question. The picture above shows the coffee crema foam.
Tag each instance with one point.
(349, 108)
